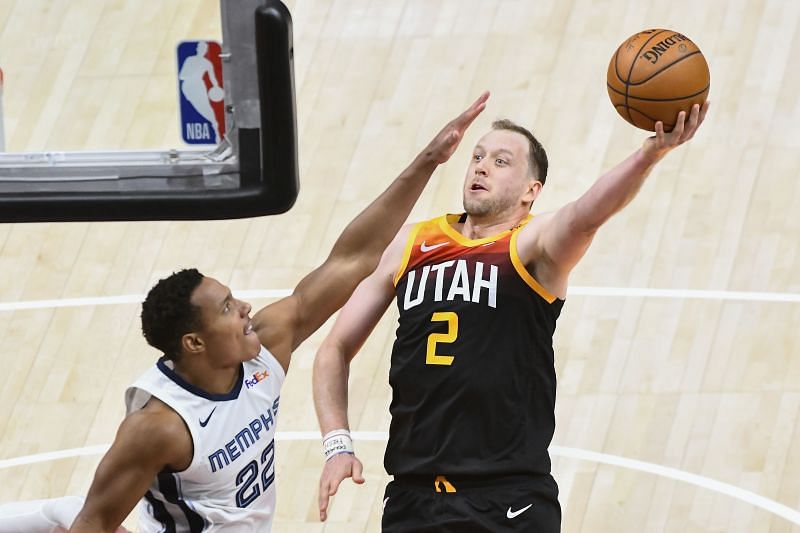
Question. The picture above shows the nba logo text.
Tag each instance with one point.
(200, 92)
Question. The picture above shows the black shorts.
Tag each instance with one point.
(444, 504)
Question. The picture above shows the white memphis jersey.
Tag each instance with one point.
(230, 483)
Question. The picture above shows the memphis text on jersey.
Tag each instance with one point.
(242, 440)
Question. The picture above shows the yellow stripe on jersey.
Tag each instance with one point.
(447, 229)
(523, 272)
(446, 222)
(442, 481)
(407, 252)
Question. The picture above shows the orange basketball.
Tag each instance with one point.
(655, 74)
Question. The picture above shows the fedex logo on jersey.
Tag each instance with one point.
(200, 92)
(256, 379)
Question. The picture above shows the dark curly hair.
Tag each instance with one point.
(168, 314)
(537, 157)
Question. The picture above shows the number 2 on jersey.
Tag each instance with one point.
(431, 357)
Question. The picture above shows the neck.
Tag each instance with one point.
(211, 380)
(477, 227)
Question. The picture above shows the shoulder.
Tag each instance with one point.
(395, 255)
(529, 235)
(537, 221)
(266, 358)
(157, 432)
(402, 237)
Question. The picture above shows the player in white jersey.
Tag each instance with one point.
(197, 443)
(233, 436)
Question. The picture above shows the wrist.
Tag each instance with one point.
(649, 155)
(337, 442)
(427, 159)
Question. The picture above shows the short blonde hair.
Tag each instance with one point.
(537, 157)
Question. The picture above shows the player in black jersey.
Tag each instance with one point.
(472, 372)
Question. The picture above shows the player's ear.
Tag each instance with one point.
(534, 187)
(192, 343)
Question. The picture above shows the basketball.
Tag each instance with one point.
(655, 74)
(216, 94)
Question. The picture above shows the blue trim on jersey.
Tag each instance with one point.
(160, 513)
(168, 486)
(197, 391)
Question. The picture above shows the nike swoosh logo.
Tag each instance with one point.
(514, 514)
(204, 423)
(424, 248)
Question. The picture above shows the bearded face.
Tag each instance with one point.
(498, 177)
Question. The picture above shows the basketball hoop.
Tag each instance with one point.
(251, 172)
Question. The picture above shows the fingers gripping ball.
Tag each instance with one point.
(655, 74)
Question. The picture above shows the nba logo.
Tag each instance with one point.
(200, 92)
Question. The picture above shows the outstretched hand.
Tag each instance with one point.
(444, 145)
(658, 145)
(336, 469)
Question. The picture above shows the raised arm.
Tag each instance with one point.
(146, 442)
(553, 243)
(282, 326)
(355, 322)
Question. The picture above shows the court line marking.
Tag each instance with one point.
(704, 482)
(634, 292)
(560, 451)
(713, 485)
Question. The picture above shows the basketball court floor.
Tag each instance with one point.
(677, 352)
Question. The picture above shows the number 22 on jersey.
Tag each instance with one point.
(431, 357)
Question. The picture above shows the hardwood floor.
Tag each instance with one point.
(705, 383)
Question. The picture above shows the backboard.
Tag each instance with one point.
(251, 172)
